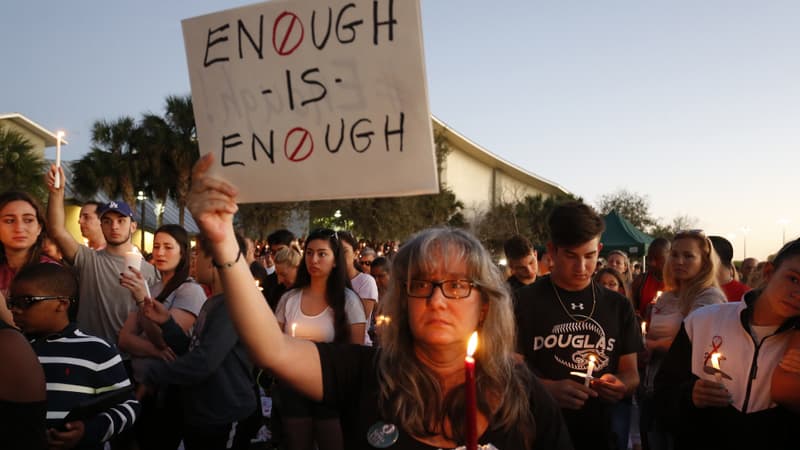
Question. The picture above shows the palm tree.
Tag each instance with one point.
(154, 139)
(112, 163)
(184, 151)
(20, 168)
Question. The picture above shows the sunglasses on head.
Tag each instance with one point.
(26, 301)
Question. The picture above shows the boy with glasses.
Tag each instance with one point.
(77, 367)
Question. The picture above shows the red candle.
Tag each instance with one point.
(471, 404)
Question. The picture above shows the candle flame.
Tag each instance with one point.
(472, 345)
(715, 360)
(60, 134)
(655, 299)
(592, 358)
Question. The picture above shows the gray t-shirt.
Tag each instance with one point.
(189, 296)
(104, 304)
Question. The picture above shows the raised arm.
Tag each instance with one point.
(212, 202)
(55, 216)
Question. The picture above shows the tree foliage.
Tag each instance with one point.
(679, 223)
(20, 168)
(155, 154)
(636, 208)
(257, 220)
(630, 205)
(526, 217)
(169, 148)
(112, 163)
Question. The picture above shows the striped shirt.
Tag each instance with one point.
(78, 367)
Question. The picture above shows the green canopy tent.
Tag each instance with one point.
(622, 235)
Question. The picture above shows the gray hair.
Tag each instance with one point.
(412, 396)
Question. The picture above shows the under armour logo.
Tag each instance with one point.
(575, 306)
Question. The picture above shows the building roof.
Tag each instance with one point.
(34, 128)
(490, 159)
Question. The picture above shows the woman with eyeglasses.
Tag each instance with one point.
(410, 393)
(320, 308)
(21, 240)
(728, 379)
(361, 280)
(690, 281)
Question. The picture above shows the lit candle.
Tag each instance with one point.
(589, 370)
(294, 329)
(644, 328)
(258, 285)
(655, 299)
(715, 364)
(470, 401)
(59, 137)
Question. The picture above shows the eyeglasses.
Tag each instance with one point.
(454, 289)
(26, 301)
(366, 263)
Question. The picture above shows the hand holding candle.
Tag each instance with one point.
(470, 401)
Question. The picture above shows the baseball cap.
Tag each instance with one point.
(118, 207)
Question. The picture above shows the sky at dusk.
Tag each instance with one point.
(695, 105)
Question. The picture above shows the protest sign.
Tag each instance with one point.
(308, 100)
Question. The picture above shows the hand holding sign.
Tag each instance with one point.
(339, 93)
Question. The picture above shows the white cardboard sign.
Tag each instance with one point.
(310, 100)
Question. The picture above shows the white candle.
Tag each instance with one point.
(589, 371)
(294, 329)
(715, 364)
(57, 181)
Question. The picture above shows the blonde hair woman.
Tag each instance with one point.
(690, 282)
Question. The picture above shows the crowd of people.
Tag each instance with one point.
(331, 342)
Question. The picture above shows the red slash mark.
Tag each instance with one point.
(301, 145)
(289, 41)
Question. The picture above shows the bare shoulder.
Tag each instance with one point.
(21, 375)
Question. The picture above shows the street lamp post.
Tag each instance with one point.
(745, 230)
(783, 223)
(141, 197)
